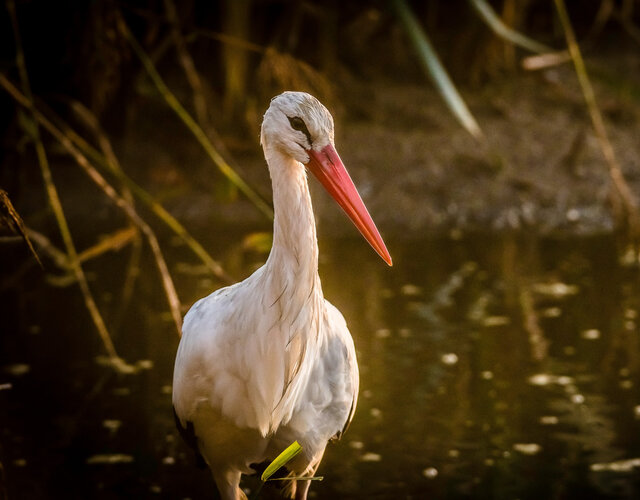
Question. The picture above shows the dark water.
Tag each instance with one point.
(498, 368)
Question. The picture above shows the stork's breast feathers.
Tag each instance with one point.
(266, 377)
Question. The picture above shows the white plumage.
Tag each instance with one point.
(268, 361)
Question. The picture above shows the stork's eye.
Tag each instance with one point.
(297, 123)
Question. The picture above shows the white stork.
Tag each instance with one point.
(268, 361)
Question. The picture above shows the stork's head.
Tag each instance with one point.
(296, 123)
(299, 126)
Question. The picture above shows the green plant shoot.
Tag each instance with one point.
(290, 451)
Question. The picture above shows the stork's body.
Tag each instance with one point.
(269, 361)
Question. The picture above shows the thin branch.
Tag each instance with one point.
(544, 61)
(53, 196)
(133, 266)
(110, 243)
(199, 101)
(197, 131)
(198, 32)
(14, 221)
(602, 18)
(617, 177)
(98, 159)
(59, 258)
(193, 77)
(97, 178)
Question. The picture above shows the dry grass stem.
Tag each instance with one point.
(544, 61)
(167, 281)
(59, 258)
(119, 201)
(10, 216)
(103, 141)
(199, 101)
(194, 80)
(133, 266)
(605, 11)
(98, 159)
(197, 131)
(54, 198)
(625, 196)
(110, 243)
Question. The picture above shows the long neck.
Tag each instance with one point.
(292, 266)
(289, 301)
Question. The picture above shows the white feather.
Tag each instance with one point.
(268, 361)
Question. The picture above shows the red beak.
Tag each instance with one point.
(327, 166)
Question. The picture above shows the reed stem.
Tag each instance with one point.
(54, 198)
(627, 198)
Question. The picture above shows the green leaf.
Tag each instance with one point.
(434, 68)
(291, 451)
(489, 16)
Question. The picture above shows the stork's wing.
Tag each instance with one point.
(338, 435)
(342, 365)
(187, 432)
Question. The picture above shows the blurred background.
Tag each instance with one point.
(496, 147)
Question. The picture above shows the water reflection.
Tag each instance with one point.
(490, 368)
